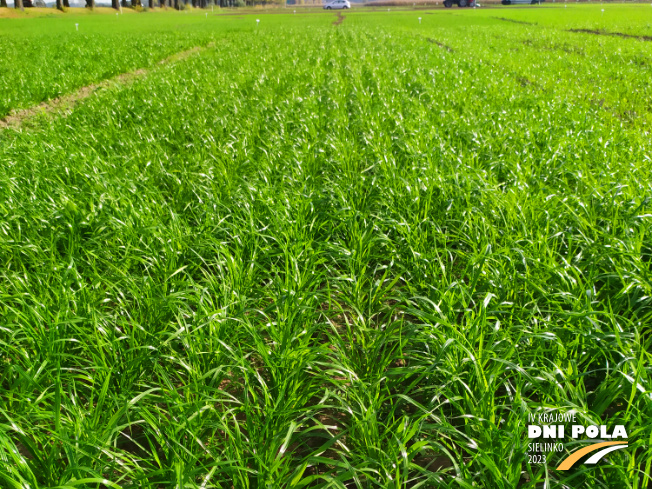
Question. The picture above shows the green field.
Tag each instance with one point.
(316, 255)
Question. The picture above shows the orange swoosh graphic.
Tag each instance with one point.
(569, 461)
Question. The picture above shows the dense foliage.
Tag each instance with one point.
(332, 256)
(46, 57)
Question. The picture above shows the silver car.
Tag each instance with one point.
(337, 4)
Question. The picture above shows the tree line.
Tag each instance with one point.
(176, 4)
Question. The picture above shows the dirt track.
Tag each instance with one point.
(66, 102)
(616, 34)
(440, 44)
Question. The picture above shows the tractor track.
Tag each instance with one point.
(613, 34)
(440, 44)
(340, 19)
(515, 21)
(65, 103)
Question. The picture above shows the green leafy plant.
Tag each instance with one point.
(359, 260)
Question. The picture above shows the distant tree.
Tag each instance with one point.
(115, 4)
(66, 3)
(90, 4)
(3, 3)
(59, 5)
(19, 4)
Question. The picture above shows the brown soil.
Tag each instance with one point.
(616, 34)
(515, 21)
(441, 45)
(340, 19)
(66, 102)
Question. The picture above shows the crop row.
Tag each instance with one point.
(358, 260)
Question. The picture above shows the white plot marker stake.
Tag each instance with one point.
(419, 20)
(257, 22)
(76, 27)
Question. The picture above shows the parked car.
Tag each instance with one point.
(337, 4)
(459, 3)
(522, 2)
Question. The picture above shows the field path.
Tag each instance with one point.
(66, 102)
(340, 19)
(440, 44)
(616, 34)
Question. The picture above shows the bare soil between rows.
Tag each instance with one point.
(515, 21)
(440, 44)
(613, 34)
(15, 119)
